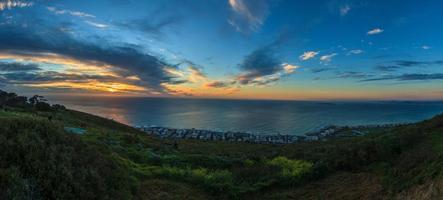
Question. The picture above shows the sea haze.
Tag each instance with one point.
(257, 116)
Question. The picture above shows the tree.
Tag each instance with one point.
(35, 99)
(18, 101)
(39, 103)
(58, 107)
(3, 97)
(11, 99)
(42, 106)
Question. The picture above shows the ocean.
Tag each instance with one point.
(255, 116)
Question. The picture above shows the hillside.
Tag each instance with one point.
(42, 158)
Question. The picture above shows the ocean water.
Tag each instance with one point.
(256, 116)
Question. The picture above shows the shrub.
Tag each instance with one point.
(291, 168)
(248, 163)
(42, 106)
(58, 107)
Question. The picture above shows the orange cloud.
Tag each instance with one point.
(92, 85)
(70, 64)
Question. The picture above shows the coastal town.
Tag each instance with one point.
(230, 136)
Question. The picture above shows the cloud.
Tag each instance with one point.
(425, 47)
(398, 64)
(28, 77)
(69, 12)
(56, 80)
(120, 60)
(387, 68)
(10, 4)
(77, 14)
(318, 70)
(352, 74)
(153, 25)
(191, 74)
(17, 67)
(308, 55)
(196, 74)
(409, 77)
(220, 84)
(375, 31)
(265, 80)
(288, 68)
(410, 63)
(177, 82)
(262, 67)
(327, 58)
(74, 81)
(344, 10)
(248, 15)
(174, 72)
(96, 24)
(355, 52)
(259, 63)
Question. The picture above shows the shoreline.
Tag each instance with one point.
(327, 132)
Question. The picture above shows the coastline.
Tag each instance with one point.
(325, 133)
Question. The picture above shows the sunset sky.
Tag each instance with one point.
(252, 49)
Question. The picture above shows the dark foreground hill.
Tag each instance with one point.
(41, 157)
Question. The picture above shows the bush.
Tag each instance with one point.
(291, 168)
(42, 106)
(58, 107)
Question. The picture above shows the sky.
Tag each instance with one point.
(240, 49)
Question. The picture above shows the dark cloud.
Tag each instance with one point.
(352, 74)
(392, 55)
(410, 63)
(387, 68)
(263, 66)
(398, 64)
(16, 67)
(408, 77)
(51, 76)
(177, 82)
(127, 60)
(152, 25)
(220, 84)
(261, 62)
(318, 70)
(166, 18)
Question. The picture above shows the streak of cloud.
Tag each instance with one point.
(344, 10)
(70, 12)
(375, 31)
(308, 55)
(248, 15)
(10, 4)
(328, 58)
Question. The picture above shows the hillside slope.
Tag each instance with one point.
(40, 159)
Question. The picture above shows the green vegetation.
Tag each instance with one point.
(291, 168)
(39, 159)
